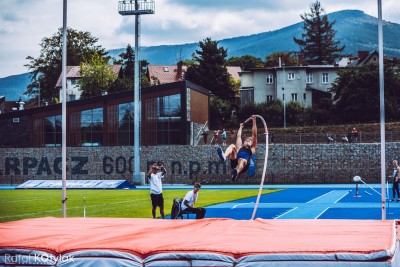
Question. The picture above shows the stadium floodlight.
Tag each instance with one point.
(137, 8)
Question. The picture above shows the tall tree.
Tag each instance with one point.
(47, 67)
(126, 77)
(209, 70)
(128, 62)
(317, 43)
(97, 76)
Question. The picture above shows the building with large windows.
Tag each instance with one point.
(170, 114)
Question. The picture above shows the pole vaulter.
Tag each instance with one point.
(265, 163)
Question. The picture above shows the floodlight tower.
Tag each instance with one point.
(137, 8)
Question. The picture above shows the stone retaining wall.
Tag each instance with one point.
(287, 164)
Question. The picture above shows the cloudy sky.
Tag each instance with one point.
(23, 23)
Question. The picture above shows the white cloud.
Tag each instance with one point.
(23, 23)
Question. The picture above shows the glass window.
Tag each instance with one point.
(291, 76)
(325, 78)
(294, 97)
(125, 123)
(52, 131)
(169, 106)
(310, 78)
(270, 98)
(163, 120)
(92, 127)
(269, 79)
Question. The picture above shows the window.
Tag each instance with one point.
(52, 130)
(269, 79)
(125, 123)
(92, 127)
(325, 77)
(169, 106)
(163, 120)
(291, 76)
(310, 78)
(269, 98)
(294, 97)
(73, 81)
(305, 96)
(166, 69)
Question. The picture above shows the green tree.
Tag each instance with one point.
(128, 62)
(97, 76)
(46, 68)
(317, 43)
(126, 77)
(245, 62)
(356, 93)
(287, 58)
(211, 72)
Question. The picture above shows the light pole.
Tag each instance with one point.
(283, 96)
(139, 7)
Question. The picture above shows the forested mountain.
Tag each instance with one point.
(355, 29)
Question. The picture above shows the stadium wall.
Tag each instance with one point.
(287, 164)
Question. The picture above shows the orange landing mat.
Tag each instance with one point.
(207, 242)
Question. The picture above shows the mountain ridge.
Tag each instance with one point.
(355, 29)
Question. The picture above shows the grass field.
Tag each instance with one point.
(22, 204)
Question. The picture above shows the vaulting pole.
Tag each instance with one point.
(64, 113)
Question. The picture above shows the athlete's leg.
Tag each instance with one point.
(230, 152)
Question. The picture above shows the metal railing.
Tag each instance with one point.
(130, 8)
(336, 137)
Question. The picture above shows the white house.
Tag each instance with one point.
(73, 74)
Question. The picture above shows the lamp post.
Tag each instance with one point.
(139, 7)
(283, 96)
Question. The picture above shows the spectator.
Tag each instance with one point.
(205, 137)
(354, 135)
(223, 137)
(395, 186)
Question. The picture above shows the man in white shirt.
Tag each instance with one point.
(189, 201)
(155, 176)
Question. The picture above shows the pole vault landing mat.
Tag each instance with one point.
(209, 242)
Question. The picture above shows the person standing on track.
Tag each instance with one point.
(155, 176)
(396, 178)
(240, 153)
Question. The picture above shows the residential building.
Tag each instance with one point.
(303, 84)
(73, 74)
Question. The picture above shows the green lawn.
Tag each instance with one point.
(22, 204)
